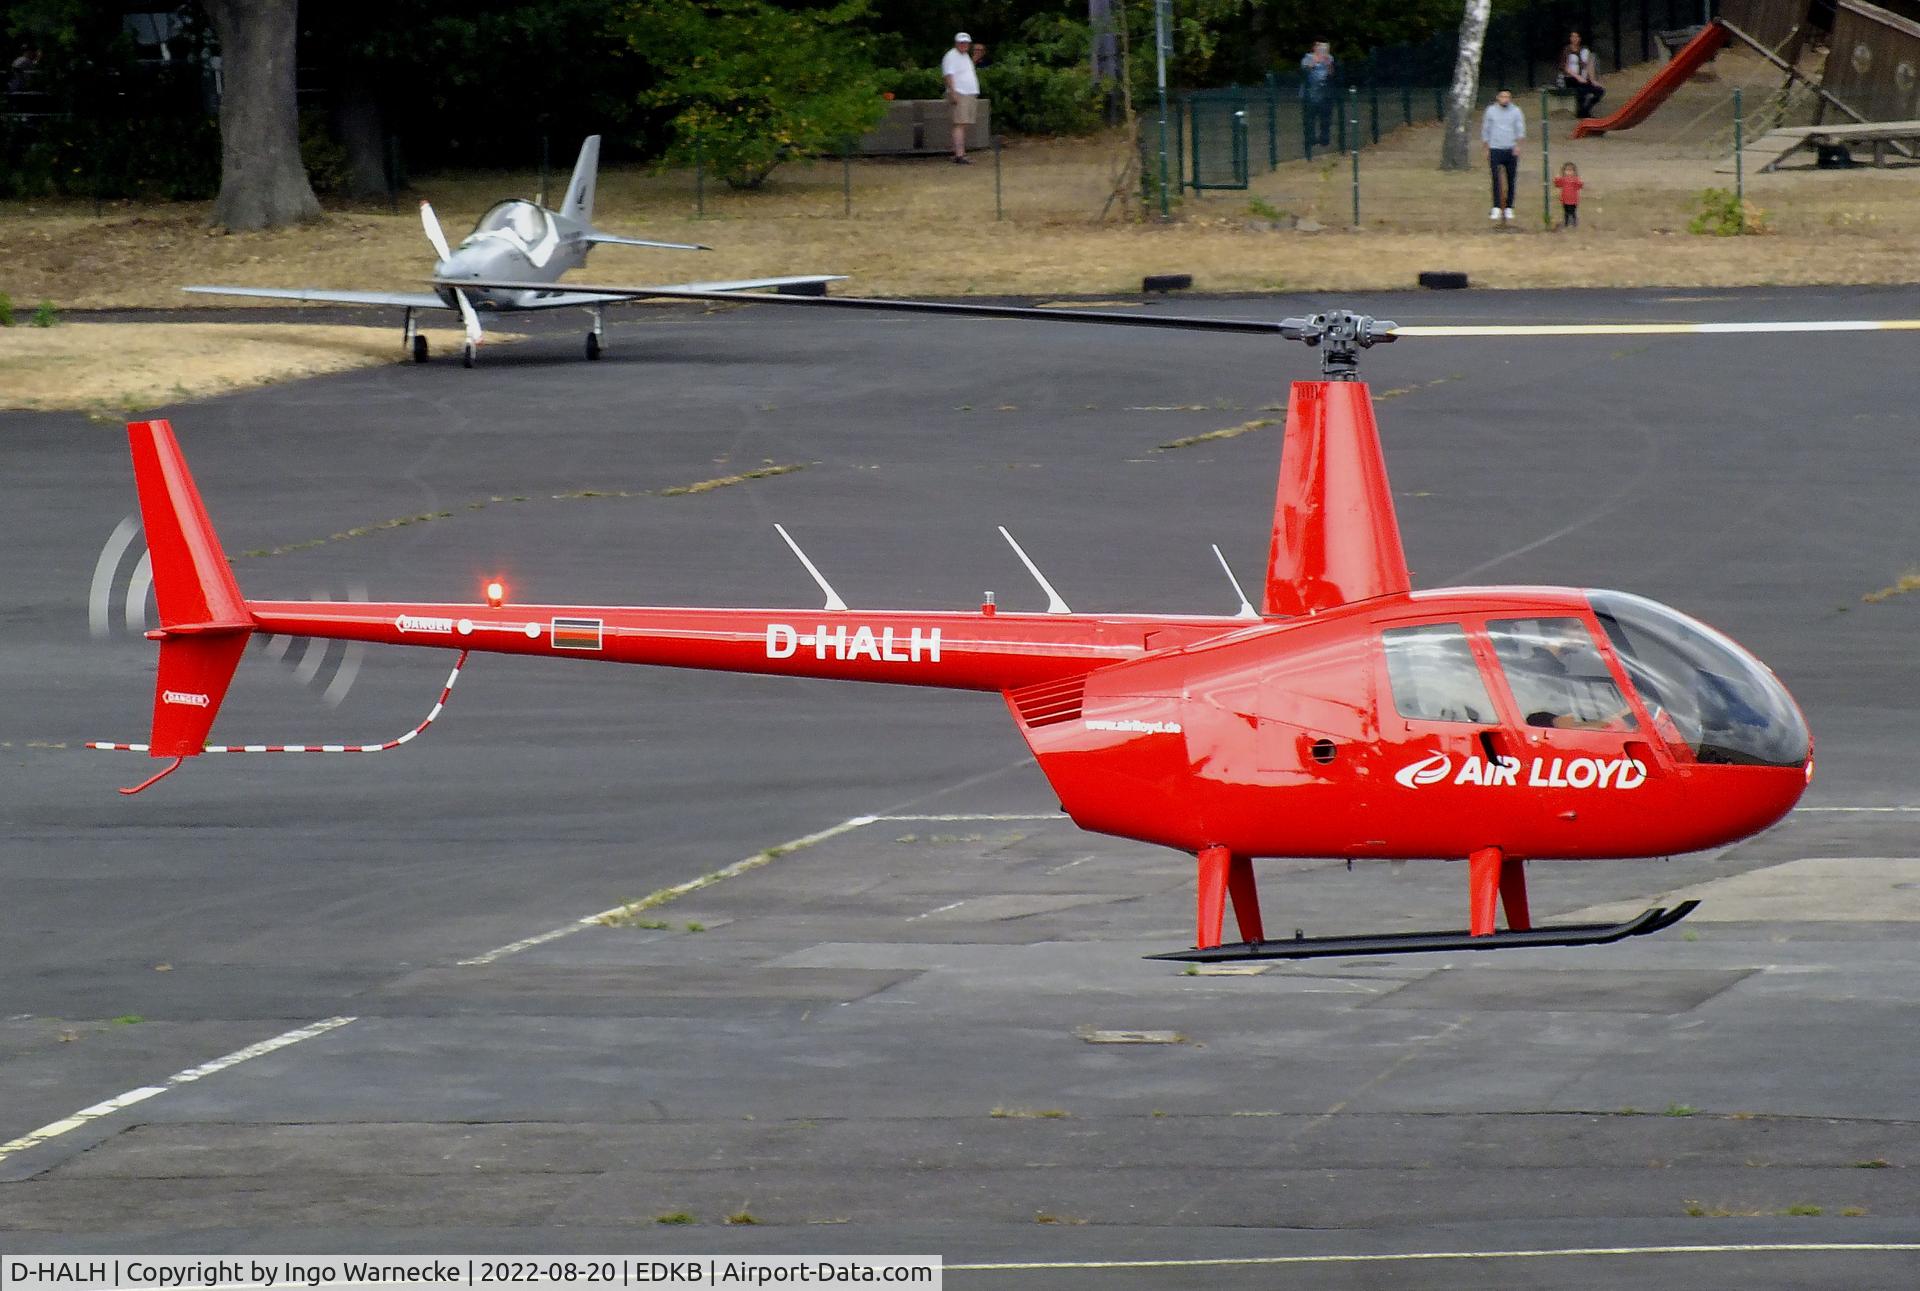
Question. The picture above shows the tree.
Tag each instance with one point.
(751, 85)
(263, 184)
(1455, 149)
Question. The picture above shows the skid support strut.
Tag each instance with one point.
(1494, 878)
(1221, 873)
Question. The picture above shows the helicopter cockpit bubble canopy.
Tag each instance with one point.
(1726, 704)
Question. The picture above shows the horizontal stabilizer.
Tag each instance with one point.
(614, 239)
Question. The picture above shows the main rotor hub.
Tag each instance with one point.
(1341, 334)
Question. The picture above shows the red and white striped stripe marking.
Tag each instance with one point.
(395, 743)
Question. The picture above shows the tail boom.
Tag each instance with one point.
(961, 651)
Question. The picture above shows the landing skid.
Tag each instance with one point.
(1407, 943)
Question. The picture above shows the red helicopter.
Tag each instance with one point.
(1349, 716)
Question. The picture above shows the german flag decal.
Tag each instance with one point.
(576, 634)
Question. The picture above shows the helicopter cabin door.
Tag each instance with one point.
(1570, 720)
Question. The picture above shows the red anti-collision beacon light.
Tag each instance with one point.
(496, 591)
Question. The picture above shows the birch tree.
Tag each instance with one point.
(1456, 150)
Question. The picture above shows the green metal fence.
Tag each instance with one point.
(1219, 136)
(1228, 132)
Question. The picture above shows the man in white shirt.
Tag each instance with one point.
(963, 90)
(1501, 130)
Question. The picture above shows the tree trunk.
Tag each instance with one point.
(360, 127)
(1457, 149)
(262, 183)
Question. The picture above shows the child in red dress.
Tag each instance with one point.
(1569, 184)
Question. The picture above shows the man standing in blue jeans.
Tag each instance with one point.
(1502, 129)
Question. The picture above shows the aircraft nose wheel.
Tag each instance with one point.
(466, 355)
(419, 349)
(593, 346)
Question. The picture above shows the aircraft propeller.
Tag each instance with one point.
(435, 235)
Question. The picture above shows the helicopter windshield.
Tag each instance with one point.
(1726, 704)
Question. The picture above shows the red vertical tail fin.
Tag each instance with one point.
(204, 621)
(1335, 536)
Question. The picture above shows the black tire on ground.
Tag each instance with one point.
(1443, 279)
(1166, 282)
(593, 346)
(419, 349)
(466, 355)
(801, 289)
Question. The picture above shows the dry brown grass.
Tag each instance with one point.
(125, 367)
(926, 227)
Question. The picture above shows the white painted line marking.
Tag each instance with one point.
(78, 1119)
(678, 890)
(1408, 1257)
(1798, 810)
(187, 1077)
(265, 1047)
(1051, 815)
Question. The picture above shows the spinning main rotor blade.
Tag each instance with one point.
(1252, 325)
(1665, 329)
(1290, 328)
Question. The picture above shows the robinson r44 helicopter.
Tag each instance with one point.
(1349, 715)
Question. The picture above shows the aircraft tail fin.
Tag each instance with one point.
(579, 201)
(204, 621)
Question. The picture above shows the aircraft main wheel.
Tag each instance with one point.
(466, 355)
(419, 349)
(593, 346)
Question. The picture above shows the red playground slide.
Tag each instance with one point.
(1687, 60)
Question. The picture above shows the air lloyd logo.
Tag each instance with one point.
(837, 643)
(417, 623)
(192, 699)
(1544, 773)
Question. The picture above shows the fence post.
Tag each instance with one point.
(1546, 165)
(1739, 163)
(1374, 94)
(699, 180)
(1273, 124)
(998, 213)
(1353, 109)
(846, 179)
(543, 171)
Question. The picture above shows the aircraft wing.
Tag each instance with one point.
(403, 299)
